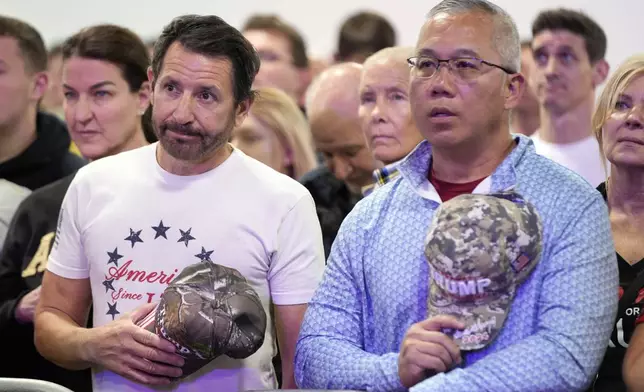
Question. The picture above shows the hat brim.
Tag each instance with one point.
(483, 317)
(153, 322)
(148, 322)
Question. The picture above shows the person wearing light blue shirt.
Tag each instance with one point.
(366, 327)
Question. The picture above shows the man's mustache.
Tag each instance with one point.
(186, 129)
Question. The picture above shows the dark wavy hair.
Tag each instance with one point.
(121, 47)
(211, 36)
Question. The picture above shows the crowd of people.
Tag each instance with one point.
(326, 185)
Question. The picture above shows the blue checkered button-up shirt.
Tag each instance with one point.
(376, 283)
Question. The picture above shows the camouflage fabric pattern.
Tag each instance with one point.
(209, 310)
(480, 248)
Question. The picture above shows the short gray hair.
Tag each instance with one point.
(506, 34)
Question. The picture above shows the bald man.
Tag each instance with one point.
(385, 113)
(332, 108)
(332, 103)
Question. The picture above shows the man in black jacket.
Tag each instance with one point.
(332, 103)
(34, 146)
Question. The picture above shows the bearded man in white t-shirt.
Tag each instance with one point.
(130, 223)
(568, 49)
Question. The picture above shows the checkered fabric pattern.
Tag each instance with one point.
(381, 177)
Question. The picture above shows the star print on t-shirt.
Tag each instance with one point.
(112, 312)
(160, 230)
(134, 237)
(186, 237)
(131, 276)
(114, 257)
(108, 284)
(204, 255)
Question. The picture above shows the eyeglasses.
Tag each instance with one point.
(466, 68)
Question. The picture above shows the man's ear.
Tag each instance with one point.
(514, 89)
(242, 110)
(40, 85)
(144, 97)
(601, 69)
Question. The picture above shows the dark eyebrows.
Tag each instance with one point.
(457, 53)
(102, 84)
(467, 53)
(542, 48)
(204, 87)
(94, 86)
(167, 80)
(567, 48)
(427, 52)
(209, 88)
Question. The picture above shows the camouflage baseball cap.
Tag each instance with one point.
(209, 310)
(480, 248)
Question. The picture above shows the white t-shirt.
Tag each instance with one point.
(131, 227)
(582, 157)
(11, 195)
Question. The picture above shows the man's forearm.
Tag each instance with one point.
(328, 363)
(288, 377)
(61, 340)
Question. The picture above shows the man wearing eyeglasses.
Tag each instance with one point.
(367, 326)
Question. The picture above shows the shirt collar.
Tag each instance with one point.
(386, 170)
(381, 177)
(415, 168)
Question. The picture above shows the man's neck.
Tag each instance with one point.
(625, 190)
(188, 168)
(525, 122)
(17, 136)
(472, 162)
(568, 127)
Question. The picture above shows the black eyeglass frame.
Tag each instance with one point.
(412, 61)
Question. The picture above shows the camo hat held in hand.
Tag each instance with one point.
(209, 310)
(480, 248)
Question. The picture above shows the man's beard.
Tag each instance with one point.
(204, 145)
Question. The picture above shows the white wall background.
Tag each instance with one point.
(318, 21)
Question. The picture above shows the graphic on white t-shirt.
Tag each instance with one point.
(123, 268)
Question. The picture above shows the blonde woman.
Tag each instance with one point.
(277, 134)
(618, 124)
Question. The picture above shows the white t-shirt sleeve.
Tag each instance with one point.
(67, 258)
(298, 264)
